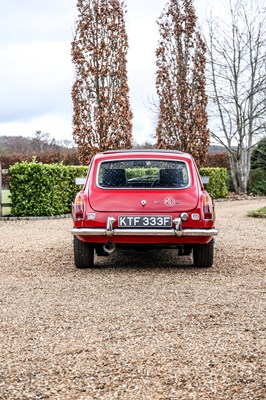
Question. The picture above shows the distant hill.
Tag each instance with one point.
(216, 149)
(41, 142)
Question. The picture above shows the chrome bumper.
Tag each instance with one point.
(109, 231)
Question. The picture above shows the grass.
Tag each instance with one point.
(260, 213)
(5, 199)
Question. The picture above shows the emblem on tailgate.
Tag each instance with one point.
(168, 201)
(143, 202)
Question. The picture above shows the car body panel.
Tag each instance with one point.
(131, 199)
(137, 216)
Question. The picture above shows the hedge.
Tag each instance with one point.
(67, 157)
(217, 186)
(38, 189)
(257, 181)
(141, 172)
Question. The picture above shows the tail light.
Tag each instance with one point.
(207, 208)
(79, 208)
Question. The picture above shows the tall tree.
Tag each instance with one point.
(237, 59)
(102, 116)
(180, 82)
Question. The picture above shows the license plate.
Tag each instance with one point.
(145, 222)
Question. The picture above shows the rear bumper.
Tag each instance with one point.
(144, 232)
(177, 231)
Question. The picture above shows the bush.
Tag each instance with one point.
(217, 186)
(258, 156)
(141, 172)
(217, 160)
(257, 181)
(68, 157)
(38, 189)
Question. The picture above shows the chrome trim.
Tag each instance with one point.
(143, 232)
(141, 159)
(178, 223)
(109, 231)
(88, 232)
(200, 232)
(109, 226)
(178, 226)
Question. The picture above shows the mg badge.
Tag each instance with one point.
(143, 202)
(169, 201)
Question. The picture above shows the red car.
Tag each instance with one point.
(143, 199)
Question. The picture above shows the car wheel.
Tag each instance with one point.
(83, 254)
(203, 255)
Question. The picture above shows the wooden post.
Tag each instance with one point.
(0, 189)
(2, 204)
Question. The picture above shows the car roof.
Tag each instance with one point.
(142, 153)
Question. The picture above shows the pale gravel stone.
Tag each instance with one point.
(140, 325)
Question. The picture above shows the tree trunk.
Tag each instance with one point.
(240, 167)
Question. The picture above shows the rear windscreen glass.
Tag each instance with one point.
(143, 174)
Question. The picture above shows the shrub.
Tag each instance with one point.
(217, 186)
(258, 156)
(68, 157)
(217, 160)
(141, 172)
(38, 189)
(257, 181)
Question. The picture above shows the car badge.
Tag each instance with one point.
(143, 202)
(169, 202)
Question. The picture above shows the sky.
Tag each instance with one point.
(37, 74)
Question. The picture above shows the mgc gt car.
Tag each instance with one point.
(140, 200)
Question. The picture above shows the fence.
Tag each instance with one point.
(4, 204)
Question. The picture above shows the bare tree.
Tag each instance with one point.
(40, 141)
(180, 82)
(102, 115)
(237, 60)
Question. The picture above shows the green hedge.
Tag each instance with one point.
(257, 181)
(217, 186)
(141, 172)
(38, 189)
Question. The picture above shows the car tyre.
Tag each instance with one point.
(203, 255)
(83, 254)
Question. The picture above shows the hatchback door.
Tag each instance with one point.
(143, 186)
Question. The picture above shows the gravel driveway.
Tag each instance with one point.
(139, 326)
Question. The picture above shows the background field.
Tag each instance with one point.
(5, 199)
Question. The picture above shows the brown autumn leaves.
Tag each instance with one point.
(102, 117)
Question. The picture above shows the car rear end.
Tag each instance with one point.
(143, 200)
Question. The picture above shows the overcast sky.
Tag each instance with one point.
(36, 73)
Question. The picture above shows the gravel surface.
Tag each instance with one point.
(139, 326)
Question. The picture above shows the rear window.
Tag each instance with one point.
(143, 174)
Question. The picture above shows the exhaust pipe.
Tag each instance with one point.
(109, 247)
